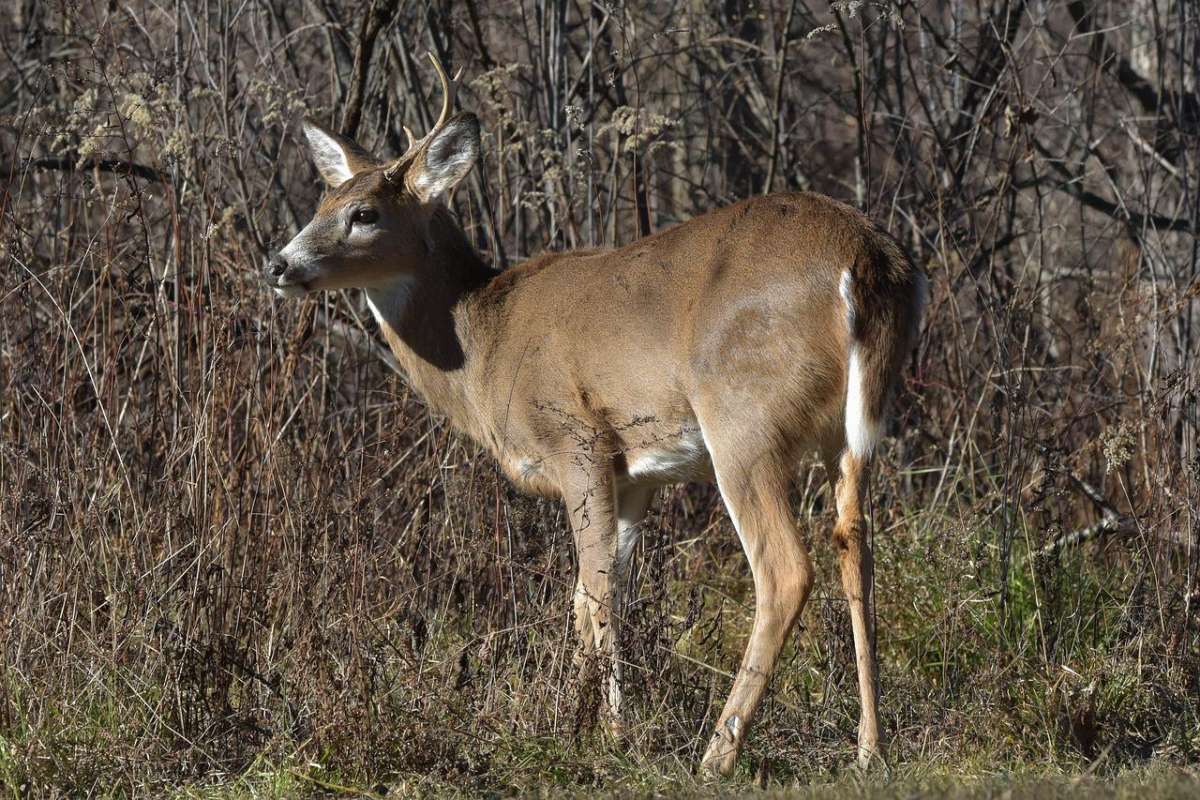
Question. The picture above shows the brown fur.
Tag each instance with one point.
(716, 348)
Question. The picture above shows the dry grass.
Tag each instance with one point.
(238, 559)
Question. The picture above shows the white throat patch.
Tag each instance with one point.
(389, 303)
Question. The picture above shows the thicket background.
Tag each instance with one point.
(232, 543)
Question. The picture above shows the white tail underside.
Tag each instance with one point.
(862, 432)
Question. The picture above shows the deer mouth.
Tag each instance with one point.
(290, 289)
(292, 281)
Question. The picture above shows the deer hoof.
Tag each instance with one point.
(872, 760)
(721, 755)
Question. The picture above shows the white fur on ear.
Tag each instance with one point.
(329, 156)
(448, 158)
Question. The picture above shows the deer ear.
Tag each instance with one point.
(447, 158)
(336, 157)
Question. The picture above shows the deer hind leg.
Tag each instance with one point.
(848, 478)
(756, 495)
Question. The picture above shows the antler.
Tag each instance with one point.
(449, 91)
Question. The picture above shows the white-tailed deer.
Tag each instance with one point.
(724, 348)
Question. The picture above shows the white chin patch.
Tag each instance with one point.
(291, 290)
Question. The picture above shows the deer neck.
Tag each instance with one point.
(424, 316)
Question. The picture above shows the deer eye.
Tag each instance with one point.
(364, 216)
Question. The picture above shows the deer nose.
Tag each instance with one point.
(276, 266)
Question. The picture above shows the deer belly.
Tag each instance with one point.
(672, 460)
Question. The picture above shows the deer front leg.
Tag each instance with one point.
(590, 497)
(632, 504)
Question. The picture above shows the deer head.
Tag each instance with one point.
(372, 226)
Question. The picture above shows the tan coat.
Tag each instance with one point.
(723, 348)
